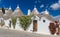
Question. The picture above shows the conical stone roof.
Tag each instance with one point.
(35, 11)
(7, 15)
(17, 12)
(9, 12)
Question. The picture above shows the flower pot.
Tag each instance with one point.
(52, 31)
(57, 33)
(52, 28)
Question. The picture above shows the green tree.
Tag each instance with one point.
(25, 21)
(13, 20)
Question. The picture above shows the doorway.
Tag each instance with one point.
(34, 25)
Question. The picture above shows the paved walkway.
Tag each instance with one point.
(14, 33)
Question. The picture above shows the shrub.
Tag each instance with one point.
(25, 21)
(13, 20)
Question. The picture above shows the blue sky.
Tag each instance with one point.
(53, 6)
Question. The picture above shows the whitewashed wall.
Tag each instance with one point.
(30, 28)
(42, 27)
(6, 23)
(18, 25)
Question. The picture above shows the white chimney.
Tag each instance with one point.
(17, 9)
(17, 6)
(29, 11)
(10, 8)
(46, 11)
(35, 9)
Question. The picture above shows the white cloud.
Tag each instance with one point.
(56, 5)
(59, 1)
(42, 6)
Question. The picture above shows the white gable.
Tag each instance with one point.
(35, 18)
(43, 27)
(29, 11)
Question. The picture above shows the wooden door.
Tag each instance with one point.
(34, 25)
(10, 24)
(59, 31)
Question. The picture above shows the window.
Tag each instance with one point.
(44, 21)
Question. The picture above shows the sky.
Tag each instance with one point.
(53, 6)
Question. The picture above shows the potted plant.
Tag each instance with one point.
(52, 28)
